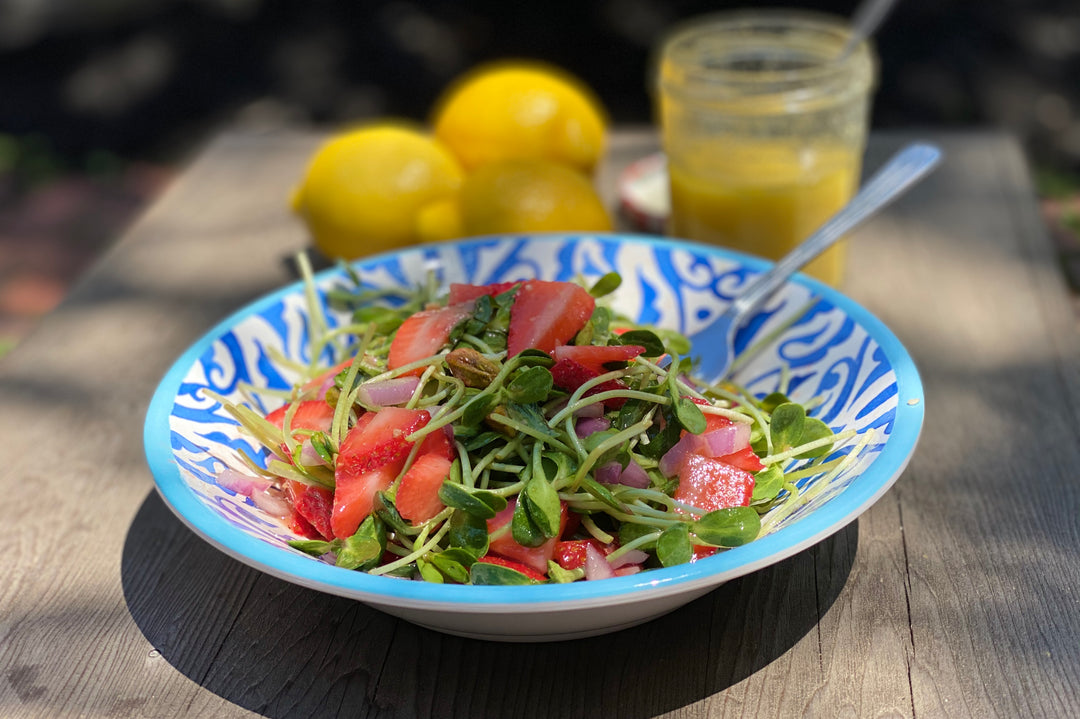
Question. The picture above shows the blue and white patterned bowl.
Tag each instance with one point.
(836, 350)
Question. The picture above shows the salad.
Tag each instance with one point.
(515, 433)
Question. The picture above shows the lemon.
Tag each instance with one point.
(521, 110)
(368, 190)
(529, 196)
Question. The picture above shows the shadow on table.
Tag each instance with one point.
(285, 651)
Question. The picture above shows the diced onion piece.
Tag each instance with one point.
(632, 556)
(389, 392)
(271, 501)
(596, 564)
(633, 475)
(589, 425)
(241, 483)
(725, 440)
(608, 473)
(673, 459)
(628, 570)
(308, 456)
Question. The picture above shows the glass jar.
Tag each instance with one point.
(764, 128)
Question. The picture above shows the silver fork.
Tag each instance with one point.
(714, 346)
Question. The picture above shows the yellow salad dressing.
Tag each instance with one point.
(763, 197)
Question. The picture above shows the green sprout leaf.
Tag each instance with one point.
(365, 548)
(484, 573)
(729, 527)
(654, 347)
(673, 546)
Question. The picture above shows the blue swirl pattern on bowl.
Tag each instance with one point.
(833, 350)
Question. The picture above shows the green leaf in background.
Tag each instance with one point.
(386, 511)
(479, 407)
(730, 527)
(772, 401)
(630, 531)
(654, 347)
(606, 284)
(454, 563)
(429, 572)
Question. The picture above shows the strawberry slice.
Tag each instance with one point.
(710, 484)
(547, 314)
(570, 553)
(595, 357)
(463, 293)
(505, 546)
(440, 442)
(301, 527)
(315, 415)
(313, 504)
(369, 459)
(417, 497)
(425, 333)
(569, 374)
(377, 439)
(745, 459)
(527, 570)
(354, 497)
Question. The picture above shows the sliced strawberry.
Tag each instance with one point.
(425, 333)
(505, 546)
(570, 554)
(354, 497)
(369, 459)
(569, 374)
(701, 552)
(745, 459)
(417, 497)
(547, 314)
(463, 293)
(315, 415)
(303, 528)
(313, 504)
(377, 439)
(595, 357)
(528, 571)
(440, 442)
(710, 484)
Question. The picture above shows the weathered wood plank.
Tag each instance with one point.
(989, 504)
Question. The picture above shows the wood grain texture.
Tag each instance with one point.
(955, 595)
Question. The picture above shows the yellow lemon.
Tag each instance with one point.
(367, 190)
(529, 196)
(521, 110)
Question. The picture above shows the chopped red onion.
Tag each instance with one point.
(632, 556)
(628, 570)
(588, 425)
(596, 409)
(634, 475)
(241, 483)
(673, 459)
(308, 456)
(609, 473)
(271, 501)
(386, 393)
(725, 440)
(596, 564)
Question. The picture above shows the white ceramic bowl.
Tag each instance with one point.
(836, 350)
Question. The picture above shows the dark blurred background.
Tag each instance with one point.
(102, 100)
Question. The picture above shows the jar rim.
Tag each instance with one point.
(790, 53)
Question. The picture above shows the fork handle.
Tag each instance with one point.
(902, 171)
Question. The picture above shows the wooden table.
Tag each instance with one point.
(957, 594)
